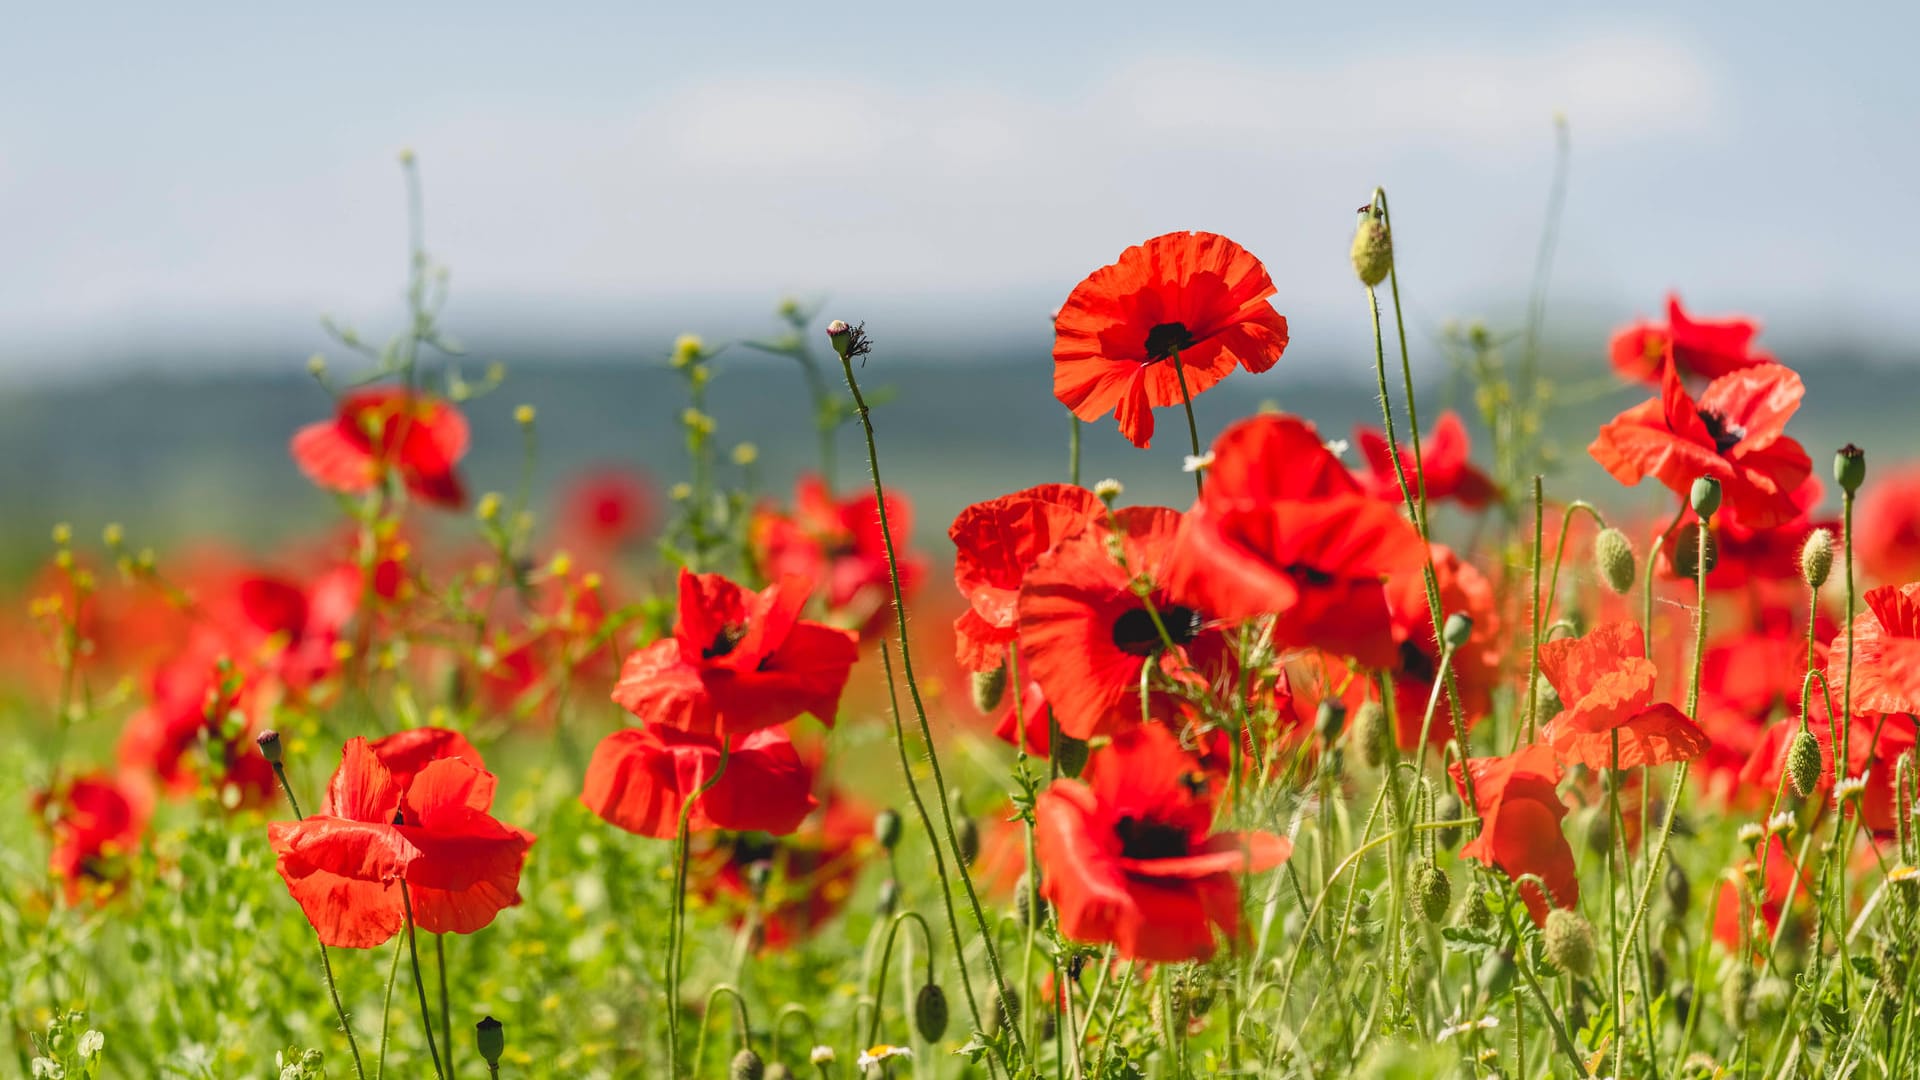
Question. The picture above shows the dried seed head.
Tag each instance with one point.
(989, 688)
(1372, 249)
(1569, 941)
(1816, 558)
(1803, 763)
(1613, 557)
(1370, 732)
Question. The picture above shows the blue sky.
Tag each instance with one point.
(225, 172)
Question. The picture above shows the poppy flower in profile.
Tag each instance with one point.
(384, 429)
(1735, 433)
(1282, 528)
(1445, 460)
(1475, 665)
(995, 544)
(1196, 294)
(95, 822)
(1520, 812)
(1606, 686)
(1086, 636)
(837, 544)
(1708, 348)
(345, 865)
(1130, 856)
(738, 661)
(1886, 652)
(1886, 525)
(640, 777)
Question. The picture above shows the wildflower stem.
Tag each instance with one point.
(919, 706)
(1186, 401)
(326, 958)
(886, 956)
(386, 1008)
(1073, 450)
(676, 926)
(446, 1011)
(420, 984)
(1539, 540)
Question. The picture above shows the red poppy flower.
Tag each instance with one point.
(1732, 913)
(1735, 433)
(1026, 721)
(96, 821)
(185, 735)
(1196, 294)
(558, 640)
(293, 628)
(384, 428)
(810, 874)
(1746, 557)
(345, 865)
(1886, 525)
(996, 543)
(1874, 746)
(1086, 637)
(1476, 665)
(1281, 527)
(640, 777)
(405, 753)
(1130, 858)
(837, 544)
(1886, 656)
(738, 661)
(1706, 347)
(1520, 812)
(1444, 454)
(1606, 684)
(605, 508)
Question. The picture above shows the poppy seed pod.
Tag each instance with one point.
(840, 335)
(1816, 558)
(269, 742)
(930, 1012)
(1803, 763)
(1705, 497)
(1569, 941)
(1372, 249)
(490, 1038)
(1432, 892)
(1370, 731)
(747, 1066)
(989, 688)
(1850, 468)
(1613, 558)
(1456, 630)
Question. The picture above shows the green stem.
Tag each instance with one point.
(420, 984)
(326, 958)
(1186, 402)
(446, 1012)
(676, 927)
(1073, 450)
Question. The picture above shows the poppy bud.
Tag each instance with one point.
(1569, 939)
(1803, 763)
(930, 1012)
(1816, 558)
(1456, 630)
(1370, 731)
(1328, 718)
(1770, 998)
(967, 832)
(1693, 545)
(886, 828)
(1705, 497)
(269, 741)
(1027, 903)
(747, 1066)
(989, 687)
(1006, 1009)
(887, 899)
(778, 1071)
(1735, 995)
(1613, 557)
(1372, 250)
(1432, 892)
(1448, 807)
(1599, 831)
(1474, 911)
(758, 872)
(1850, 468)
(1496, 972)
(1678, 889)
(490, 1038)
(1070, 753)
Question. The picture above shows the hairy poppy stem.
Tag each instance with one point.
(886, 958)
(446, 1011)
(913, 687)
(326, 958)
(1073, 450)
(1186, 402)
(676, 926)
(386, 1008)
(420, 984)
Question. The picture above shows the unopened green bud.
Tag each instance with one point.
(1372, 249)
(887, 900)
(1695, 550)
(1705, 497)
(1569, 940)
(1070, 753)
(1370, 732)
(1850, 468)
(1816, 558)
(1456, 630)
(989, 688)
(1679, 890)
(967, 831)
(930, 1012)
(1736, 995)
(490, 1038)
(1328, 718)
(886, 828)
(747, 1066)
(1432, 892)
(1613, 558)
(1474, 910)
(1803, 763)
(1448, 807)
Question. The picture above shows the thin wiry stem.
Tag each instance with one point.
(420, 984)
(326, 958)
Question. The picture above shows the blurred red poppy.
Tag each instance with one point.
(996, 544)
(1520, 812)
(1886, 653)
(1735, 433)
(837, 545)
(1783, 886)
(1609, 718)
(345, 865)
(1475, 665)
(738, 661)
(605, 508)
(1025, 721)
(384, 428)
(1281, 527)
(1196, 294)
(95, 822)
(1130, 856)
(1886, 525)
(640, 777)
(195, 728)
(809, 875)
(1706, 347)
(1445, 457)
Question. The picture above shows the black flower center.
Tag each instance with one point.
(1308, 574)
(1416, 664)
(723, 642)
(1135, 634)
(1141, 838)
(1167, 338)
(1725, 435)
